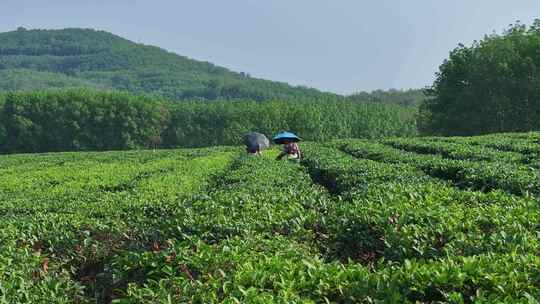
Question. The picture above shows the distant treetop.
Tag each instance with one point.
(411, 97)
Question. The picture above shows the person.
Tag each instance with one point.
(291, 150)
(253, 151)
(255, 143)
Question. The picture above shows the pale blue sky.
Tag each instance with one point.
(335, 45)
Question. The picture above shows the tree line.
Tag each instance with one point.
(410, 97)
(492, 86)
(82, 119)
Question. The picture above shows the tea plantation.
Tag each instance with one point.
(416, 220)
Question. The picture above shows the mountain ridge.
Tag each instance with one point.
(99, 59)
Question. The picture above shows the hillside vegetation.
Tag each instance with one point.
(75, 120)
(43, 59)
(411, 97)
(426, 220)
(83, 58)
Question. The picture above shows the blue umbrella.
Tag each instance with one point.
(285, 136)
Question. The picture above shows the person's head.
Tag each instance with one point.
(286, 142)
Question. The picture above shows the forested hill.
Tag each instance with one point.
(49, 59)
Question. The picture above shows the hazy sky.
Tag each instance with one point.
(335, 45)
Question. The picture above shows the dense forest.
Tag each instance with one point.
(49, 59)
(74, 120)
(491, 86)
(411, 97)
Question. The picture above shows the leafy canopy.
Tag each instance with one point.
(489, 87)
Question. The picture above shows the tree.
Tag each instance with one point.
(492, 86)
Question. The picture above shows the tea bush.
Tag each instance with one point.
(422, 220)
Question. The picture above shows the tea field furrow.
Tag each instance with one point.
(527, 144)
(76, 240)
(456, 151)
(397, 213)
(258, 198)
(476, 175)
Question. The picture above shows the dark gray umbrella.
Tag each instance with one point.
(256, 141)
